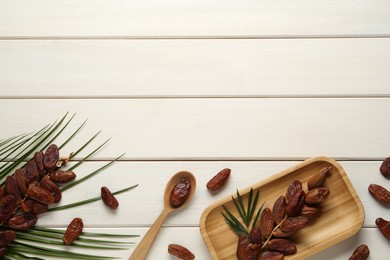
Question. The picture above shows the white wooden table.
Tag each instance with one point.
(256, 86)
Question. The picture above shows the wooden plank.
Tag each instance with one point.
(213, 129)
(195, 68)
(194, 18)
(152, 177)
(190, 237)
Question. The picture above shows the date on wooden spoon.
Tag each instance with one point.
(179, 190)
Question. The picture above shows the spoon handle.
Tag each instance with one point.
(143, 247)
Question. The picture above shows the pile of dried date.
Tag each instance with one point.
(30, 190)
(290, 213)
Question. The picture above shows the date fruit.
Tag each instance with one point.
(31, 172)
(40, 194)
(3, 251)
(12, 188)
(22, 222)
(271, 255)
(62, 176)
(311, 212)
(279, 209)
(247, 250)
(385, 168)
(361, 253)
(318, 179)
(6, 237)
(283, 246)
(50, 186)
(294, 224)
(316, 195)
(384, 227)
(295, 203)
(33, 206)
(50, 157)
(180, 193)
(292, 189)
(73, 231)
(219, 180)
(20, 181)
(180, 252)
(380, 193)
(7, 207)
(266, 223)
(108, 198)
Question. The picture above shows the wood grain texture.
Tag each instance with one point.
(194, 68)
(194, 18)
(212, 129)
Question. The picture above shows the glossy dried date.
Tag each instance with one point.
(266, 223)
(311, 213)
(7, 207)
(62, 176)
(246, 250)
(12, 188)
(50, 186)
(380, 193)
(31, 172)
(73, 231)
(316, 195)
(361, 253)
(318, 179)
(6, 237)
(271, 255)
(40, 194)
(293, 188)
(50, 157)
(279, 209)
(384, 227)
(33, 206)
(295, 204)
(219, 180)
(20, 181)
(180, 252)
(22, 222)
(38, 158)
(108, 198)
(294, 224)
(385, 168)
(180, 193)
(283, 246)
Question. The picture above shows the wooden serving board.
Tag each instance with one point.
(342, 215)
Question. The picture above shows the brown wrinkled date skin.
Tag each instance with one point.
(6, 237)
(219, 180)
(318, 179)
(316, 195)
(73, 231)
(50, 157)
(247, 250)
(311, 213)
(384, 227)
(180, 193)
(50, 186)
(22, 222)
(20, 181)
(31, 172)
(38, 159)
(284, 246)
(294, 224)
(40, 194)
(279, 209)
(62, 176)
(108, 198)
(379, 193)
(271, 255)
(180, 252)
(385, 168)
(266, 223)
(361, 253)
(33, 206)
(7, 207)
(292, 189)
(295, 204)
(12, 188)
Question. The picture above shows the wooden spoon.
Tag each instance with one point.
(143, 247)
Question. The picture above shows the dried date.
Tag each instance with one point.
(279, 209)
(3, 251)
(318, 179)
(50, 157)
(73, 231)
(279, 233)
(283, 246)
(385, 168)
(247, 250)
(316, 195)
(22, 222)
(7, 207)
(180, 193)
(38, 158)
(31, 172)
(219, 180)
(12, 188)
(380, 193)
(311, 213)
(50, 186)
(20, 181)
(180, 252)
(266, 223)
(108, 198)
(361, 253)
(62, 176)
(293, 188)
(295, 204)
(293, 224)
(40, 194)
(6, 237)
(33, 206)
(384, 227)
(271, 255)
(255, 235)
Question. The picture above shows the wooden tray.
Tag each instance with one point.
(342, 216)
